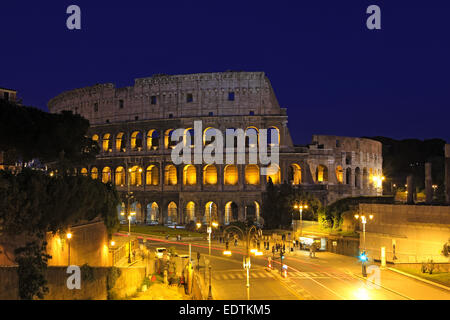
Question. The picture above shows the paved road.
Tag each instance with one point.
(326, 277)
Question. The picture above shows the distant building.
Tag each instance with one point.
(8, 94)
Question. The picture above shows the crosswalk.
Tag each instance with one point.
(237, 275)
(242, 275)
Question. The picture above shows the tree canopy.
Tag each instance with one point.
(30, 133)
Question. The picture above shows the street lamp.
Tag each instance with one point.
(129, 212)
(300, 208)
(363, 256)
(246, 260)
(212, 224)
(68, 236)
(434, 186)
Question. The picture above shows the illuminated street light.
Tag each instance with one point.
(300, 208)
(68, 236)
(113, 243)
(227, 253)
(199, 225)
(363, 256)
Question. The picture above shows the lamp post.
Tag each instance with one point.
(300, 208)
(363, 256)
(129, 212)
(246, 259)
(69, 236)
(434, 186)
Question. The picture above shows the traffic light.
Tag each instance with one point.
(363, 257)
(281, 255)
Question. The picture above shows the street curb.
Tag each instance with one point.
(420, 279)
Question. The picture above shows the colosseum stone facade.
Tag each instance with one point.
(133, 126)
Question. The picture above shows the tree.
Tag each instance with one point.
(32, 202)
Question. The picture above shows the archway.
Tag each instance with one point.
(152, 213)
(152, 175)
(231, 176)
(210, 212)
(189, 175)
(340, 174)
(120, 176)
(252, 174)
(136, 141)
(170, 175)
(231, 212)
(210, 175)
(274, 174)
(152, 140)
(348, 176)
(295, 174)
(136, 176)
(94, 173)
(106, 142)
(321, 173)
(189, 212)
(106, 175)
(172, 213)
(358, 178)
(120, 142)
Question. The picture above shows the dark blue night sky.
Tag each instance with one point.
(333, 74)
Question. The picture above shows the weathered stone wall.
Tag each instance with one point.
(418, 232)
(164, 96)
(127, 284)
(89, 244)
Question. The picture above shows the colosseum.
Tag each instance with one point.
(133, 126)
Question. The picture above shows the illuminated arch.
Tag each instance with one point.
(172, 213)
(210, 131)
(252, 174)
(106, 142)
(120, 142)
(153, 212)
(251, 131)
(135, 176)
(94, 173)
(189, 134)
(168, 143)
(210, 175)
(170, 175)
(321, 173)
(340, 174)
(275, 176)
(136, 140)
(189, 175)
(84, 172)
(95, 137)
(269, 135)
(210, 212)
(295, 174)
(189, 212)
(231, 175)
(152, 140)
(231, 212)
(152, 175)
(120, 176)
(106, 175)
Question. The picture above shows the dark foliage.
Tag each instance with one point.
(29, 133)
(32, 261)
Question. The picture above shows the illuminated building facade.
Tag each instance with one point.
(133, 126)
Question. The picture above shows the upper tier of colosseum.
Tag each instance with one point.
(173, 96)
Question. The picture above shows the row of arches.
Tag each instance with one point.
(152, 213)
(151, 140)
(189, 175)
(358, 178)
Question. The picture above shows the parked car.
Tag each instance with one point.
(160, 252)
